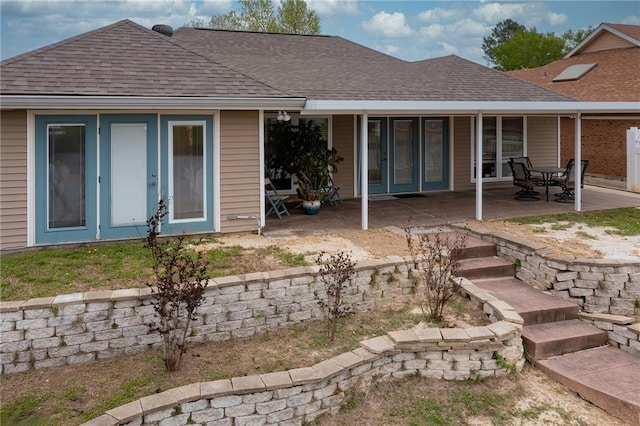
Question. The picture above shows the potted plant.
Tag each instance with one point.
(302, 152)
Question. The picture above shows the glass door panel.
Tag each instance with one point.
(436, 154)
(404, 155)
(186, 166)
(187, 172)
(65, 179)
(377, 156)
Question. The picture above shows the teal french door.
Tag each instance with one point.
(187, 172)
(403, 147)
(435, 153)
(65, 178)
(128, 174)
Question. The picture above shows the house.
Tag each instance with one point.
(97, 127)
(604, 67)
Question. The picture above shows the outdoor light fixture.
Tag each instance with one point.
(283, 116)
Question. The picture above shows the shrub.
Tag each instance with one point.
(336, 271)
(179, 279)
(436, 260)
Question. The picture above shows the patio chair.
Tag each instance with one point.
(568, 181)
(522, 179)
(332, 193)
(537, 178)
(276, 203)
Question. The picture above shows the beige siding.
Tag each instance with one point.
(13, 179)
(462, 154)
(542, 140)
(240, 188)
(606, 41)
(342, 139)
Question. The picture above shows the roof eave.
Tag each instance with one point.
(594, 34)
(145, 102)
(465, 107)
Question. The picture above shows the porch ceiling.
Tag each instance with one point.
(428, 209)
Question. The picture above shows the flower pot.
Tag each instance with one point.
(311, 207)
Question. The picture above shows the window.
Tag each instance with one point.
(502, 138)
(187, 170)
(66, 176)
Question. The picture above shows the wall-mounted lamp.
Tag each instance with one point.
(283, 116)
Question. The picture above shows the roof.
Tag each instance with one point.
(331, 67)
(124, 59)
(628, 35)
(615, 78)
(128, 60)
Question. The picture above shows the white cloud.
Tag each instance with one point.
(432, 31)
(334, 7)
(389, 49)
(438, 14)
(496, 12)
(631, 20)
(556, 18)
(448, 49)
(468, 27)
(388, 24)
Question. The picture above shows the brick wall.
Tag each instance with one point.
(604, 144)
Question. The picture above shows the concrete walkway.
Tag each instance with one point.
(428, 209)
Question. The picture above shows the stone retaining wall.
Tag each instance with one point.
(82, 327)
(597, 285)
(621, 331)
(300, 395)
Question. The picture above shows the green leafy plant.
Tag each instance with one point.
(336, 272)
(301, 151)
(436, 260)
(180, 278)
(511, 368)
(517, 263)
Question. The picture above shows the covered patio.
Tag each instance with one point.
(437, 208)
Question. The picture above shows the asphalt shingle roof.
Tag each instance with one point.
(126, 59)
(330, 67)
(616, 77)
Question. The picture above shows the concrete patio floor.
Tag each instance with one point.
(429, 209)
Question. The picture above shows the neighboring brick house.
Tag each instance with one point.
(606, 68)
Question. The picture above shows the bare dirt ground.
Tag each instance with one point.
(577, 240)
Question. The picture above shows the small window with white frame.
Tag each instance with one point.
(503, 137)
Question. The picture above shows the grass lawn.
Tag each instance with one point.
(52, 271)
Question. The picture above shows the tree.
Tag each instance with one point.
(258, 15)
(528, 49)
(502, 32)
(295, 17)
(512, 46)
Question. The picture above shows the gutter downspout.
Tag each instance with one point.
(479, 166)
(364, 169)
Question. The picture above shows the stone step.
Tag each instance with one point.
(533, 305)
(558, 338)
(607, 377)
(476, 248)
(485, 267)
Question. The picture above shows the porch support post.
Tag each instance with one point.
(364, 169)
(578, 164)
(479, 166)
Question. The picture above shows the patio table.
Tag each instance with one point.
(547, 173)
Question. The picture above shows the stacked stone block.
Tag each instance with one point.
(597, 285)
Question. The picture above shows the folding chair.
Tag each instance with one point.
(332, 192)
(276, 203)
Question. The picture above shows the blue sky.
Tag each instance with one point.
(411, 30)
